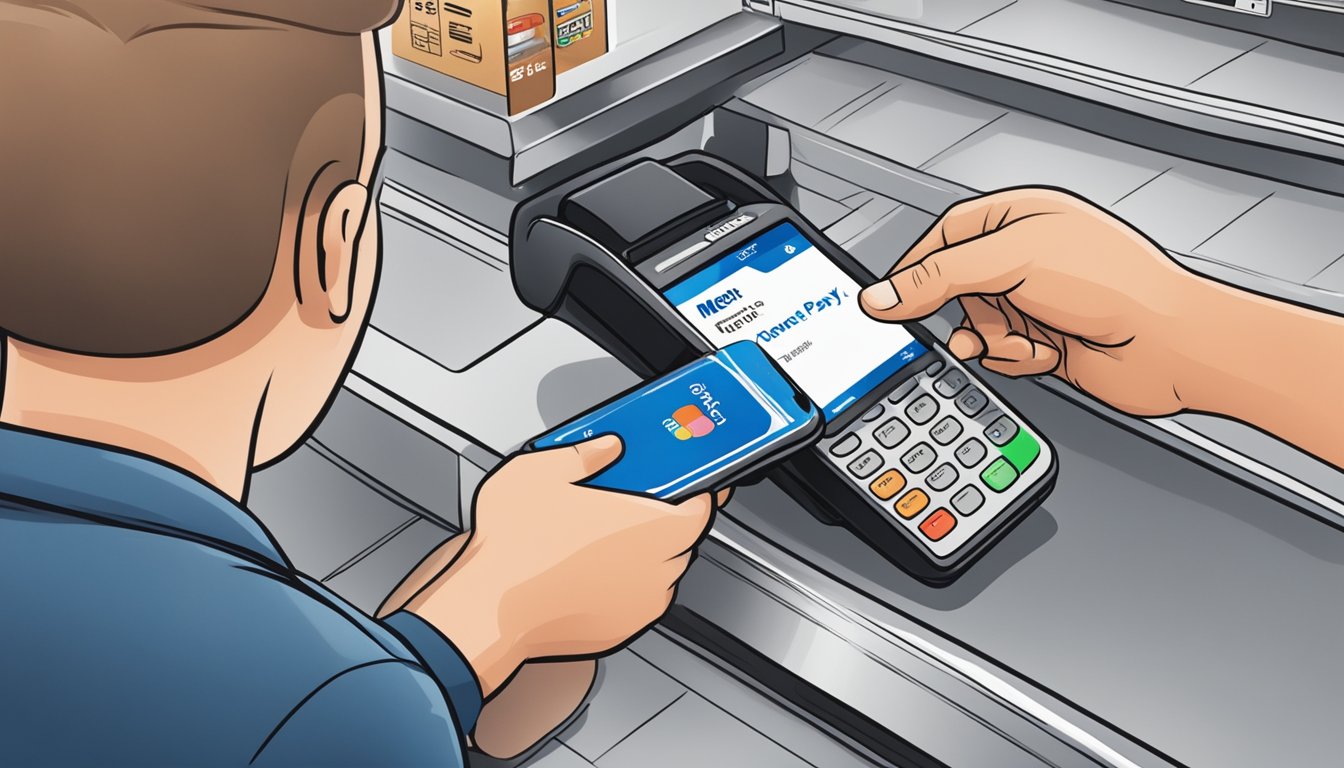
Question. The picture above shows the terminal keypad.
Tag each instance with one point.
(939, 458)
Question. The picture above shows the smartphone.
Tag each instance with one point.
(700, 428)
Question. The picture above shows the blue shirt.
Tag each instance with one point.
(149, 620)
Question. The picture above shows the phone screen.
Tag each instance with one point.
(783, 293)
(682, 428)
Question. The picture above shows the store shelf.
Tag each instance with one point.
(623, 107)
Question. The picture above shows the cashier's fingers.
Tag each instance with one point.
(992, 265)
(966, 344)
(989, 334)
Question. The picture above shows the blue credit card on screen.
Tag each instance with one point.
(698, 427)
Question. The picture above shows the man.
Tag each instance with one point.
(189, 256)
(1051, 284)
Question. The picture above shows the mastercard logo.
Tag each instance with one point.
(691, 422)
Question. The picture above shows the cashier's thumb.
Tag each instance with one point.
(993, 264)
(583, 460)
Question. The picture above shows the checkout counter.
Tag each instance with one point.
(1175, 601)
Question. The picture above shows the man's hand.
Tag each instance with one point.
(1052, 284)
(555, 569)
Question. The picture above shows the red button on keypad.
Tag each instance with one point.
(938, 525)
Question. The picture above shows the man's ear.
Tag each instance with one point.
(326, 259)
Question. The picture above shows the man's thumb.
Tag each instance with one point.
(583, 460)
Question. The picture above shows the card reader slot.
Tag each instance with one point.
(660, 239)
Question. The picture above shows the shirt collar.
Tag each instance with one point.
(121, 488)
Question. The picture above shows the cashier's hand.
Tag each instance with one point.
(1051, 284)
(554, 569)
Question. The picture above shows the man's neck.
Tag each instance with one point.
(157, 407)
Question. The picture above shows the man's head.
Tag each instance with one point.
(187, 183)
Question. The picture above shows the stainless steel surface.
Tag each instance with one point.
(1293, 235)
(1103, 35)
(1206, 200)
(1266, 138)
(1289, 77)
(1021, 149)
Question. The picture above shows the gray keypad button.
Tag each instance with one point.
(972, 401)
(922, 410)
(903, 390)
(942, 478)
(866, 465)
(946, 431)
(846, 446)
(971, 452)
(874, 413)
(892, 433)
(934, 368)
(920, 458)
(968, 500)
(952, 382)
(1002, 431)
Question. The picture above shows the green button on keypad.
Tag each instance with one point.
(999, 476)
(1022, 451)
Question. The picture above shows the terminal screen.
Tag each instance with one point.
(783, 293)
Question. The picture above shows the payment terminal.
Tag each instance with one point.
(661, 261)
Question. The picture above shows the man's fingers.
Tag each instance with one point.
(722, 498)
(676, 568)
(986, 265)
(690, 519)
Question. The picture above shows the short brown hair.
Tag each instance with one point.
(148, 151)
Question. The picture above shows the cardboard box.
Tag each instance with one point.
(503, 46)
(580, 32)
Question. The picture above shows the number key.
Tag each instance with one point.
(891, 434)
(968, 500)
(942, 478)
(920, 458)
(912, 503)
(952, 382)
(888, 485)
(866, 465)
(971, 452)
(945, 431)
(972, 401)
(922, 410)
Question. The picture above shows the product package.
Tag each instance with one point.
(580, 32)
(513, 48)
